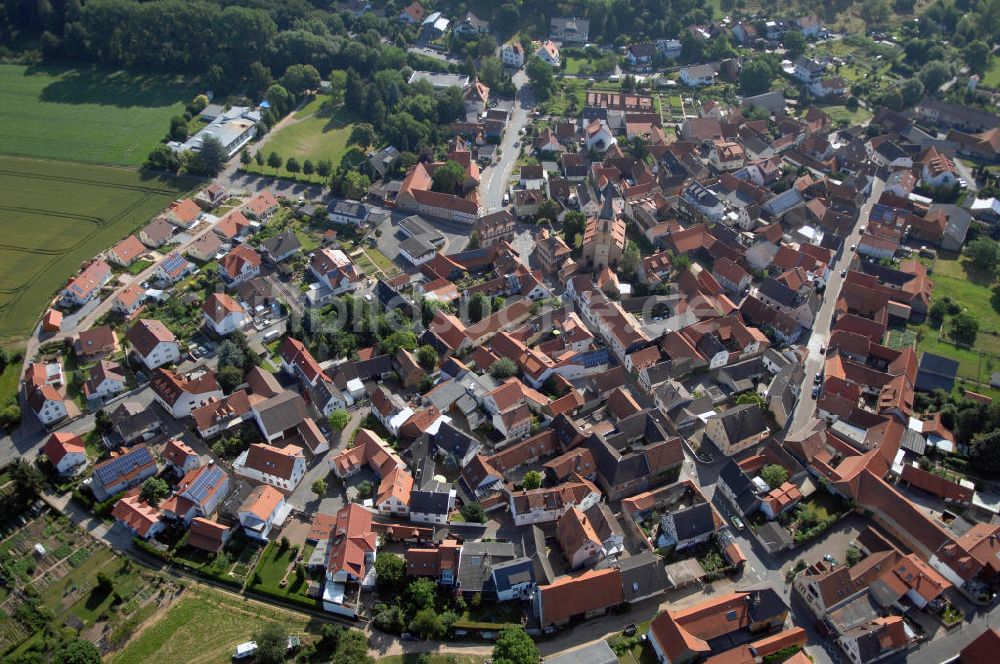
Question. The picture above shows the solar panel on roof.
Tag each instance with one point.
(114, 469)
(204, 483)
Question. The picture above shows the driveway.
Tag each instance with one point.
(303, 497)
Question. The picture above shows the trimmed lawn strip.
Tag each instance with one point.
(8, 381)
(382, 261)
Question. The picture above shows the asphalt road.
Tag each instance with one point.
(494, 179)
(821, 326)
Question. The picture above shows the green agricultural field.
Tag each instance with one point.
(314, 133)
(203, 628)
(55, 215)
(86, 114)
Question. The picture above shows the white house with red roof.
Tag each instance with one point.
(139, 517)
(180, 457)
(126, 252)
(197, 494)
(298, 361)
(281, 467)
(180, 395)
(128, 300)
(261, 207)
(223, 315)
(208, 535)
(153, 343)
(261, 511)
(335, 270)
(548, 51)
(83, 287)
(48, 404)
(241, 264)
(413, 14)
(66, 452)
(350, 554)
(173, 268)
(184, 213)
(512, 54)
(232, 226)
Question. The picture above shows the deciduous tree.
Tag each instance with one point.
(272, 643)
(338, 419)
(514, 646)
(153, 491)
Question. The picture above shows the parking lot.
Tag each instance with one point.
(389, 236)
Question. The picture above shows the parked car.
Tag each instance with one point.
(738, 523)
(630, 629)
(815, 391)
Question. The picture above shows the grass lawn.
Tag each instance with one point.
(274, 565)
(8, 381)
(839, 113)
(87, 114)
(992, 77)
(631, 647)
(972, 291)
(315, 133)
(204, 628)
(308, 242)
(573, 65)
(55, 215)
(137, 267)
(382, 262)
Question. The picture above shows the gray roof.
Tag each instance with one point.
(780, 293)
(416, 225)
(281, 412)
(699, 71)
(693, 521)
(533, 542)
(348, 208)
(477, 560)
(743, 421)
(643, 575)
(438, 80)
(596, 653)
(773, 535)
(512, 573)
(740, 485)
(131, 418)
(279, 245)
(432, 499)
(771, 101)
(417, 246)
(452, 440)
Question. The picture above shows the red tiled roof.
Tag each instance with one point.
(61, 443)
(262, 501)
(574, 595)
